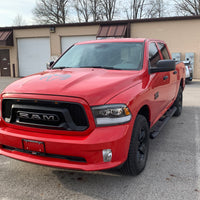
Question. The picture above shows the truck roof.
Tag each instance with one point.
(113, 40)
(116, 40)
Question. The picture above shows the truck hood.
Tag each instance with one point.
(96, 86)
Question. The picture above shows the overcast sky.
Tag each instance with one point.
(9, 9)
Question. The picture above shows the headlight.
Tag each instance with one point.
(112, 114)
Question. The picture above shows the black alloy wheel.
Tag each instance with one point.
(139, 148)
(142, 148)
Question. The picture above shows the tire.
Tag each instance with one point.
(179, 103)
(139, 148)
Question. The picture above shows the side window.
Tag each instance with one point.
(154, 56)
(164, 51)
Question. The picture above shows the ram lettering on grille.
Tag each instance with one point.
(38, 116)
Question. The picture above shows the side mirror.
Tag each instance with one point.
(50, 64)
(163, 66)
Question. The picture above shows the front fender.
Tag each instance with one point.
(135, 98)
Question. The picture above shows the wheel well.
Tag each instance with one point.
(145, 112)
(181, 84)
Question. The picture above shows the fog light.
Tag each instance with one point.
(107, 155)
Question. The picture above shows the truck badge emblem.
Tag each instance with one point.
(37, 116)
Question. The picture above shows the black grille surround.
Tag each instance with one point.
(47, 114)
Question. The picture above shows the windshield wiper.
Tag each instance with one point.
(61, 67)
(101, 67)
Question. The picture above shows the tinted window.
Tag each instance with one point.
(164, 51)
(115, 55)
(154, 56)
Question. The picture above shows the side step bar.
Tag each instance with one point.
(155, 130)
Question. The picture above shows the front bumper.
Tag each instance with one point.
(57, 147)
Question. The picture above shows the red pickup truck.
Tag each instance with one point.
(95, 108)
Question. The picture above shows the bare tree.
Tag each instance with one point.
(19, 21)
(51, 11)
(109, 9)
(89, 10)
(96, 10)
(160, 8)
(150, 11)
(188, 7)
(82, 8)
(155, 9)
(134, 9)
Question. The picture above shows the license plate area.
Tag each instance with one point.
(33, 146)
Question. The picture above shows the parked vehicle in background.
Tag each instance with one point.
(95, 108)
(188, 70)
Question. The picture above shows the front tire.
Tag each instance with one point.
(139, 148)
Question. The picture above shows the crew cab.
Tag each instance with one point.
(95, 108)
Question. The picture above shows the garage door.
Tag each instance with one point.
(33, 54)
(66, 42)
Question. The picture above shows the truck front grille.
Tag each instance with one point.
(45, 114)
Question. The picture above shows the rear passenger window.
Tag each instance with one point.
(164, 51)
(154, 56)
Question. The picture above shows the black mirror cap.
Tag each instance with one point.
(164, 66)
(49, 65)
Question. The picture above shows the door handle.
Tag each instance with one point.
(165, 77)
(175, 72)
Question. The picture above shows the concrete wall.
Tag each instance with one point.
(55, 39)
(181, 36)
(69, 31)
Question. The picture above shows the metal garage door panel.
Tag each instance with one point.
(33, 54)
(66, 42)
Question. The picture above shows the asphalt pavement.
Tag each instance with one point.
(172, 171)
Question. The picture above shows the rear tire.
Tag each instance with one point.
(179, 103)
(139, 148)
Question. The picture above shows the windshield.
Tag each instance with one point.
(121, 56)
